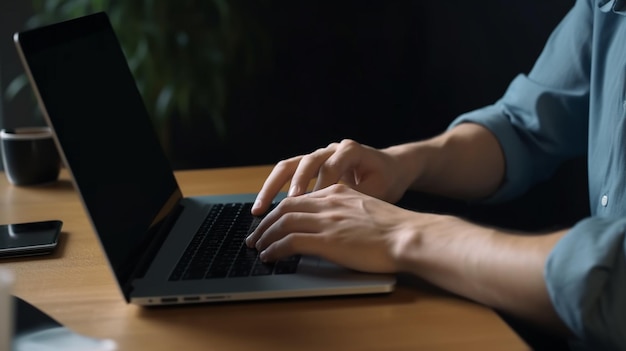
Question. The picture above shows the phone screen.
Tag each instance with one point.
(34, 238)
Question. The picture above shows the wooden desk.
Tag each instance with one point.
(75, 286)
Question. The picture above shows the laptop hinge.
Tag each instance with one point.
(146, 257)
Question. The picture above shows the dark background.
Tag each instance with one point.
(380, 72)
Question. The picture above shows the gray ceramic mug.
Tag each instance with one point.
(29, 155)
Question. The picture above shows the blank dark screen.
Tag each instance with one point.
(104, 131)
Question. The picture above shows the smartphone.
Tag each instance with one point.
(28, 239)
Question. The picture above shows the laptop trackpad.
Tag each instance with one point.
(313, 264)
(308, 262)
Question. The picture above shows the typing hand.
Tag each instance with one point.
(338, 223)
(361, 167)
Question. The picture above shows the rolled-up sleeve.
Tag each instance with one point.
(537, 130)
(542, 119)
(586, 280)
(562, 110)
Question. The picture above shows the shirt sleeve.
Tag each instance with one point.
(542, 119)
(586, 280)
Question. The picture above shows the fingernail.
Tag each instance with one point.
(257, 204)
(262, 256)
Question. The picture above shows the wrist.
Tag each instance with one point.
(412, 160)
(417, 241)
(500, 269)
(465, 162)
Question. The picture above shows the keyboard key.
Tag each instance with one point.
(287, 266)
(261, 268)
(218, 249)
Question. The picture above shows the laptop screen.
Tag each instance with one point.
(102, 126)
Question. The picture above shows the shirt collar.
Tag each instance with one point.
(615, 6)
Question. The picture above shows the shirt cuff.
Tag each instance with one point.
(585, 277)
(517, 179)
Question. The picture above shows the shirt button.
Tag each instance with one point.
(604, 201)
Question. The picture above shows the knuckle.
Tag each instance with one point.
(284, 164)
(310, 158)
(287, 219)
(339, 188)
(331, 164)
(318, 151)
(288, 244)
(282, 223)
(348, 143)
(284, 204)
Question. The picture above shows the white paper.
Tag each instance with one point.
(60, 339)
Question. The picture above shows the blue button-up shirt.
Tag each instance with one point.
(573, 102)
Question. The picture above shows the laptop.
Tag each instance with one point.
(163, 248)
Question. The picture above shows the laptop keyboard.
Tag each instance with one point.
(218, 249)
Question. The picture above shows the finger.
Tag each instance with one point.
(339, 166)
(265, 223)
(279, 176)
(309, 168)
(293, 244)
(293, 222)
(301, 204)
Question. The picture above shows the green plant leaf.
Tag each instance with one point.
(185, 55)
(16, 86)
(164, 101)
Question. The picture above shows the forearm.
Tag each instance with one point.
(465, 162)
(498, 269)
